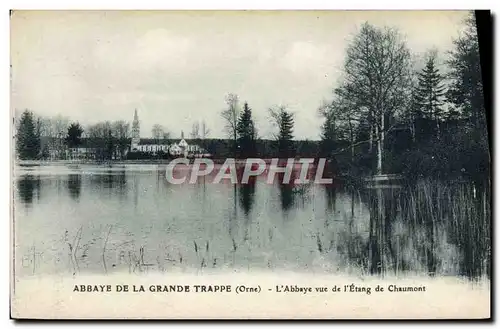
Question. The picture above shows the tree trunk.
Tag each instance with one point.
(412, 128)
(438, 130)
(380, 144)
(351, 137)
(370, 150)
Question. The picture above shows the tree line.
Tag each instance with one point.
(49, 138)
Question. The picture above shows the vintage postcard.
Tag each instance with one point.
(249, 165)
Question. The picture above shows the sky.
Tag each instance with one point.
(176, 67)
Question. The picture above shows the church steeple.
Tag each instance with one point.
(135, 131)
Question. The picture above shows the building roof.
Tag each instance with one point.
(161, 141)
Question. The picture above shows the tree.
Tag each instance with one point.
(377, 76)
(59, 125)
(166, 137)
(230, 116)
(348, 111)
(28, 137)
(465, 93)
(53, 130)
(110, 141)
(74, 136)
(466, 88)
(328, 133)
(246, 132)
(102, 140)
(429, 94)
(205, 131)
(283, 119)
(157, 132)
(195, 131)
(47, 128)
(121, 134)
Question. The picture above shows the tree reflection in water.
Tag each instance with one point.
(28, 186)
(74, 185)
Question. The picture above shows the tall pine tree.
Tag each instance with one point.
(246, 133)
(74, 136)
(429, 95)
(329, 133)
(28, 137)
(285, 136)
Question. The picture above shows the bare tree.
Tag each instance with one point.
(157, 132)
(195, 131)
(205, 131)
(342, 119)
(275, 116)
(53, 131)
(101, 139)
(59, 129)
(46, 129)
(230, 116)
(283, 119)
(377, 76)
(166, 137)
(121, 132)
(60, 124)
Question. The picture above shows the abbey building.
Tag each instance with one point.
(180, 148)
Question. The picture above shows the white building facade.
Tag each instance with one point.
(182, 148)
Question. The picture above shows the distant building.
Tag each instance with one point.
(79, 153)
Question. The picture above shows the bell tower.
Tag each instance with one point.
(135, 132)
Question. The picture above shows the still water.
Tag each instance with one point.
(91, 219)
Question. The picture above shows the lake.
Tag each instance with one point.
(129, 218)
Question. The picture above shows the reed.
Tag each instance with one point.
(442, 228)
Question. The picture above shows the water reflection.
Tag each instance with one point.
(74, 185)
(286, 190)
(381, 255)
(286, 196)
(28, 187)
(432, 228)
(112, 181)
(330, 192)
(246, 194)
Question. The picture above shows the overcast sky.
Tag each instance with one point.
(175, 68)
